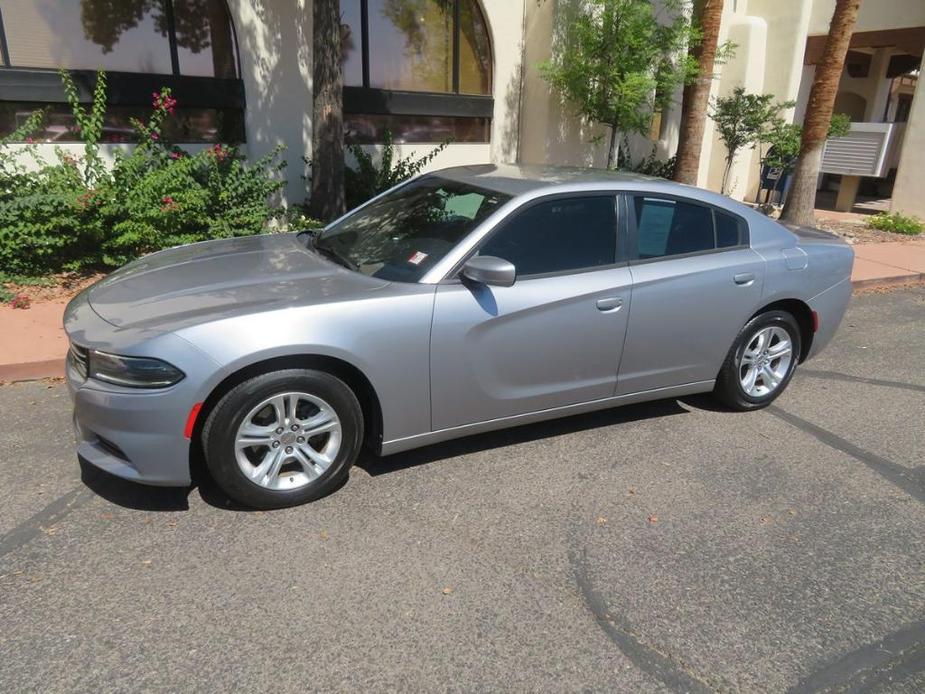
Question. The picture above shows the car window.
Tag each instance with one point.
(672, 227)
(729, 230)
(403, 234)
(558, 235)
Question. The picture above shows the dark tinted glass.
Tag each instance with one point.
(728, 230)
(205, 38)
(188, 125)
(671, 227)
(125, 36)
(351, 37)
(404, 234)
(370, 129)
(558, 235)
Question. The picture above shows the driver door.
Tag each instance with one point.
(552, 339)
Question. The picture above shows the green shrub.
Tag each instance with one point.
(369, 179)
(897, 223)
(75, 212)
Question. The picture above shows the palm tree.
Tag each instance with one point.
(802, 196)
(327, 182)
(708, 15)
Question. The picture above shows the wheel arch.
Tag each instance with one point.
(803, 315)
(355, 379)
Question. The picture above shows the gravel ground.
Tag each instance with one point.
(665, 547)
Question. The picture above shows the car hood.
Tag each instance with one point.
(217, 279)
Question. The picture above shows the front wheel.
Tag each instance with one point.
(760, 362)
(283, 438)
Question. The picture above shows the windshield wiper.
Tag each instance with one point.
(331, 254)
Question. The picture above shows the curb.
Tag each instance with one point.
(32, 371)
(889, 281)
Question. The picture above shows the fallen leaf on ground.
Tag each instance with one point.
(631, 491)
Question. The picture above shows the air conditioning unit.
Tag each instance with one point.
(862, 152)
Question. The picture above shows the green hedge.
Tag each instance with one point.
(76, 212)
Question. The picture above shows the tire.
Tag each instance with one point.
(257, 438)
(744, 359)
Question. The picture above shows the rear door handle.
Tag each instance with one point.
(612, 303)
(744, 278)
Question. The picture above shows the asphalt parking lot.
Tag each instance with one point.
(664, 547)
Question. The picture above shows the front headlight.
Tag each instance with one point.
(133, 372)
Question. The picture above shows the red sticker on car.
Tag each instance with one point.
(417, 258)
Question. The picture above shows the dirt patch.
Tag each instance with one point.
(889, 288)
(858, 232)
(59, 287)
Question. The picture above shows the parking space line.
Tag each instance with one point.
(905, 478)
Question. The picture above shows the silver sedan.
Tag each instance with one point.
(466, 300)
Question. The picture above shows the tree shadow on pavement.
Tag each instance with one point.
(374, 465)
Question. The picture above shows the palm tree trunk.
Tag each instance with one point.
(802, 196)
(327, 187)
(708, 13)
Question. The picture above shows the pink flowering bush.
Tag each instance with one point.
(78, 212)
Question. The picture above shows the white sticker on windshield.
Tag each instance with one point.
(417, 258)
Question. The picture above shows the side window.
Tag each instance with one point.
(666, 227)
(558, 235)
(671, 227)
(730, 230)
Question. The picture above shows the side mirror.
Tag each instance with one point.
(488, 269)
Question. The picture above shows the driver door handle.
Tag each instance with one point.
(612, 303)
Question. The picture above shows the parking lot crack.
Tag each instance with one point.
(907, 479)
(655, 662)
(888, 660)
(838, 376)
(53, 513)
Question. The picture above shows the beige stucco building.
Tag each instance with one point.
(460, 69)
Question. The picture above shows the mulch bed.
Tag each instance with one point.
(63, 286)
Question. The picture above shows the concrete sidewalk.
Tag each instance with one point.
(33, 345)
(882, 263)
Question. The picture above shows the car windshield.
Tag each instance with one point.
(402, 235)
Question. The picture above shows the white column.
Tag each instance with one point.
(909, 190)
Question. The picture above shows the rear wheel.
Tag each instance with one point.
(283, 438)
(760, 362)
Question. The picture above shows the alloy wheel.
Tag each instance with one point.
(765, 361)
(288, 441)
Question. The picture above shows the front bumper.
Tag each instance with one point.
(136, 434)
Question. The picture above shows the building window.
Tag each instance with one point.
(187, 125)
(405, 47)
(187, 45)
(366, 129)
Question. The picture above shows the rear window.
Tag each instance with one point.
(668, 227)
